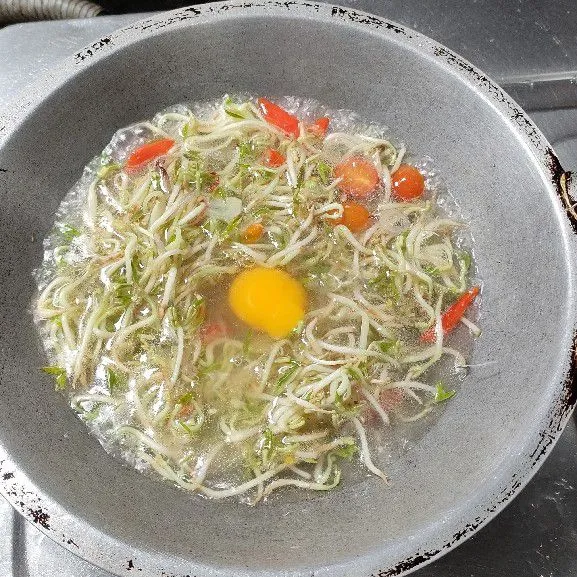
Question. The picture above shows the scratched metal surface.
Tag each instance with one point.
(536, 535)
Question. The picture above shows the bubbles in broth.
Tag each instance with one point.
(243, 296)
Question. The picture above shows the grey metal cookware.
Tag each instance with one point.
(492, 436)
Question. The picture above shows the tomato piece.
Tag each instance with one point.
(320, 126)
(185, 411)
(279, 117)
(355, 217)
(253, 233)
(211, 331)
(214, 181)
(407, 182)
(391, 398)
(452, 316)
(359, 176)
(273, 158)
(147, 152)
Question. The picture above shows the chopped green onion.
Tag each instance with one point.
(69, 232)
(115, 381)
(441, 394)
(232, 109)
(59, 374)
(287, 372)
(325, 172)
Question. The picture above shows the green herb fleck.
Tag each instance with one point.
(123, 294)
(295, 333)
(390, 347)
(269, 444)
(115, 381)
(246, 342)
(441, 394)
(356, 373)
(245, 149)
(190, 317)
(60, 375)
(325, 172)
(220, 192)
(91, 415)
(319, 268)
(155, 181)
(262, 211)
(286, 374)
(232, 109)
(268, 439)
(205, 369)
(68, 232)
(185, 399)
(432, 270)
(300, 177)
(186, 428)
(385, 284)
(464, 258)
(401, 240)
(108, 169)
(231, 227)
(346, 451)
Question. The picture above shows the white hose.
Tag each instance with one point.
(22, 10)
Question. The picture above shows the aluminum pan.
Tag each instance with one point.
(507, 179)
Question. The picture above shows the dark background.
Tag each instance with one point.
(124, 6)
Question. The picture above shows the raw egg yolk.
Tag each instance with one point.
(268, 299)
